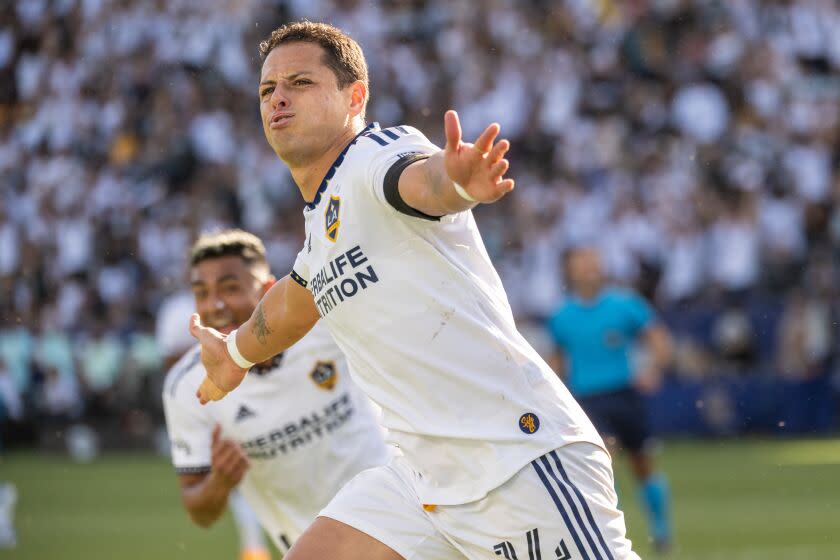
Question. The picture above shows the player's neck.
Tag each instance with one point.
(588, 294)
(308, 176)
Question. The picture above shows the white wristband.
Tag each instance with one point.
(235, 355)
(462, 193)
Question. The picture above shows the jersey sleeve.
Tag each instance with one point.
(300, 270)
(393, 150)
(190, 432)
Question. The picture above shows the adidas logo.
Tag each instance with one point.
(244, 412)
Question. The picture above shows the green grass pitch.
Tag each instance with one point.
(733, 500)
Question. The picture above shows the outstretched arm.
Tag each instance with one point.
(284, 315)
(479, 169)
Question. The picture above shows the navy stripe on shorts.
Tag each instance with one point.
(567, 487)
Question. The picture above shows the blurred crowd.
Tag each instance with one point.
(695, 142)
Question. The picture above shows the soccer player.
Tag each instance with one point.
(173, 343)
(498, 460)
(598, 330)
(295, 431)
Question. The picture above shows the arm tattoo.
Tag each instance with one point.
(260, 327)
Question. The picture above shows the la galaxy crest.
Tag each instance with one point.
(324, 375)
(331, 218)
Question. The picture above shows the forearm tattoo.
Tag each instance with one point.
(260, 327)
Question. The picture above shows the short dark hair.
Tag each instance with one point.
(342, 54)
(227, 243)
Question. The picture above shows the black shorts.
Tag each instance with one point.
(620, 414)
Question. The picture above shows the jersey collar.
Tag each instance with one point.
(336, 164)
(588, 303)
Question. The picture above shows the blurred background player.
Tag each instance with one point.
(292, 437)
(173, 343)
(615, 351)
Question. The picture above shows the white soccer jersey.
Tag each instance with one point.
(421, 314)
(306, 428)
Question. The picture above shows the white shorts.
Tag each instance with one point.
(561, 506)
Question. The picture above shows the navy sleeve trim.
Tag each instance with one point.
(175, 377)
(298, 278)
(193, 470)
(390, 134)
(391, 188)
(376, 138)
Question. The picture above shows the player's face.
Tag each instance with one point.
(302, 109)
(585, 270)
(226, 291)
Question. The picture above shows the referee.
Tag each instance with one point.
(615, 350)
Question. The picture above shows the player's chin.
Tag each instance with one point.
(277, 138)
(281, 142)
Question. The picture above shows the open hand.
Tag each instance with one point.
(228, 460)
(223, 375)
(480, 167)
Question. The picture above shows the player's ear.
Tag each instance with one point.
(358, 97)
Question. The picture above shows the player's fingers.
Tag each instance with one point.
(498, 151)
(234, 463)
(219, 456)
(241, 459)
(231, 455)
(204, 334)
(195, 325)
(208, 391)
(452, 126)
(217, 433)
(505, 186)
(485, 141)
(499, 168)
(240, 470)
(235, 473)
(227, 456)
